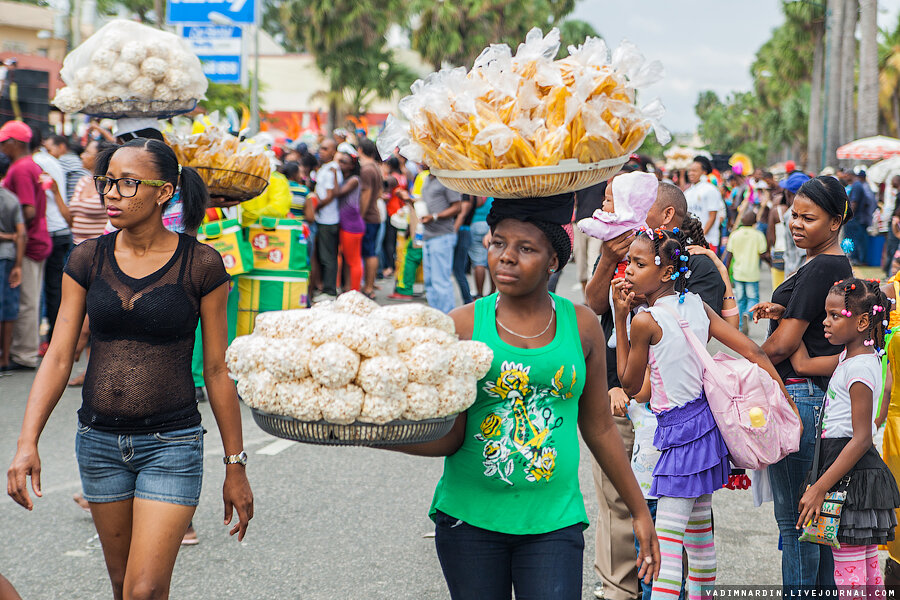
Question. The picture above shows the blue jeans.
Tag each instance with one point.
(856, 231)
(747, 294)
(479, 564)
(166, 467)
(461, 262)
(437, 259)
(803, 564)
(647, 588)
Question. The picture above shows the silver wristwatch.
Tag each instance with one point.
(236, 459)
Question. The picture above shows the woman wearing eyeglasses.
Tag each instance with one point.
(139, 442)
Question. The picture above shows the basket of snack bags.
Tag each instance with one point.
(526, 125)
(353, 373)
(236, 169)
(127, 69)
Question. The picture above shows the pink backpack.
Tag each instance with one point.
(733, 386)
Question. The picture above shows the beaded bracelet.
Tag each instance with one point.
(729, 298)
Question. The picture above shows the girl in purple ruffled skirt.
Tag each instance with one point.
(694, 459)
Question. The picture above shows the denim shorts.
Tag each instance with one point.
(477, 251)
(370, 240)
(166, 467)
(9, 297)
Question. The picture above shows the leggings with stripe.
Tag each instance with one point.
(685, 523)
(857, 566)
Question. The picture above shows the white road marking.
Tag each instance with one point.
(275, 447)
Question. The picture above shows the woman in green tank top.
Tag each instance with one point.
(508, 510)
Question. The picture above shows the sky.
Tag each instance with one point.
(703, 45)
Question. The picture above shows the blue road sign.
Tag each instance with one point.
(219, 50)
(197, 11)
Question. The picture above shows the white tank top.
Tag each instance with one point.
(676, 373)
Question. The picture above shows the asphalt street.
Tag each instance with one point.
(330, 522)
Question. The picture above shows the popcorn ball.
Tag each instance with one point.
(290, 359)
(301, 397)
(142, 87)
(333, 365)
(421, 402)
(382, 376)
(341, 405)
(104, 58)
(67, 100)
(382, 409)
(355, 303)
(410, 337)
(470, 358)
(415, 315)
(164, 93)
(427, 363)
(456, 394)
(177, 80)
(154, 68)
(246, 354)
(133, 52)
(124, 73)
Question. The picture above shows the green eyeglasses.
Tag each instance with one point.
(127, 186)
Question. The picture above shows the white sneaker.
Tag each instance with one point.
(598, 590)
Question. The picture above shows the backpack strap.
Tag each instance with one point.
(699, 348)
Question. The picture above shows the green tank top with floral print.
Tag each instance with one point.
(517, 469)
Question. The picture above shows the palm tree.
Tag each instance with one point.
(455, 32)
(833, 117)
(867, 102)
(889, 79)
(848, 71)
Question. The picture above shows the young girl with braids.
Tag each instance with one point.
(856, 313)
(693, 462)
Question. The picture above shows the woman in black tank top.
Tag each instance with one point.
(139, 442)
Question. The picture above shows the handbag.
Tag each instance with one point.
(824, 530)
(735, 386)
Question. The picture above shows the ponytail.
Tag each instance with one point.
(194, 198)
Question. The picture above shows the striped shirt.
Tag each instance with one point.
(74, 171)
(88, 212)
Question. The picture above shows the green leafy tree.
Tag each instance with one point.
(456, 32)
(889, 79)
(220, 96)
(347, 39)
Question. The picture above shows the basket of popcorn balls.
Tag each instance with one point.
(127, 69)
(353, 373)
(526, 125)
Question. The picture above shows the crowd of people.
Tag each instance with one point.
(508, 510)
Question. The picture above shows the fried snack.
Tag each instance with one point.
(528, 110)
(229, 167)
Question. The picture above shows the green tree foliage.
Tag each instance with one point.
(772, 119)
(347, 39)
(142, 10)
(220, 96)
(455, 32)
(889, 78)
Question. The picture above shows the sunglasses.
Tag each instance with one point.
(127, 186)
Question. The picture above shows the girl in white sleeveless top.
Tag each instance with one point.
(693, 459)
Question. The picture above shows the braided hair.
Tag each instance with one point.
(693, 231)
(670, 249)
(865, 296)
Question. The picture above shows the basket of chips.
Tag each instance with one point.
(532, 182)
(526, 125)
(238, 170)
(233, 185)
(321, 432)
(360, 374)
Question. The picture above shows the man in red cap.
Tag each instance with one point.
(23, 180)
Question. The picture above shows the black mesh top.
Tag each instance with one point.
(142, 336)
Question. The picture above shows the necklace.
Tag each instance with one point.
(519, 335)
